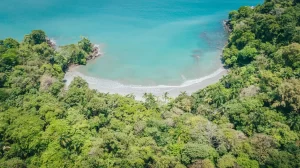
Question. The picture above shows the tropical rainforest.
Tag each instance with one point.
(249, 119)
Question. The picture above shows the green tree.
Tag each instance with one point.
(35, 37)
(192, 152)
(227, 161)
(10, 43)
(86, 45)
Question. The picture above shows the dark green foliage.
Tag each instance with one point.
(8, 59)
(8, 54)
(73, 54)
(35, 37)
(10, 43)
(85, 45)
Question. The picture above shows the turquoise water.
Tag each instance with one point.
(147, 42)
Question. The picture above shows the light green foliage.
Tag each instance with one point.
(289, 95)
(227, 161)
(289, 56)
(245, 162)
(25, 130)
(73, 54)
(247, 54)
(191, 152)
(23, 80)
(245, 11)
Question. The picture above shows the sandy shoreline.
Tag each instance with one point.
(109, 86)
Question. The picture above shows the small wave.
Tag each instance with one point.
(186, 83)
(110, 84)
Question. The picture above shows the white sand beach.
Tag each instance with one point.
(109, 86)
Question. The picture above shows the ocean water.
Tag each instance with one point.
(145, 42)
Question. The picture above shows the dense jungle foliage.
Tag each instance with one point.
(249, 119)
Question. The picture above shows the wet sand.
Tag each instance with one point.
(109, 86)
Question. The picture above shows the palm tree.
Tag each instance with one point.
(166, 96)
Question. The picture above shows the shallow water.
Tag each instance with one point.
(146, 42)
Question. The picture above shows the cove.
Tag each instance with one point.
(148, 43)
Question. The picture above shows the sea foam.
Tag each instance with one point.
(110, 84)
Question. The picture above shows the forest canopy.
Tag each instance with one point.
(251, 118)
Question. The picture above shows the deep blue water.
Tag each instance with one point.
(146, 42)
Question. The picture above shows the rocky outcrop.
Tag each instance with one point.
(227, 27)
(96, 52)
(51, 43)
